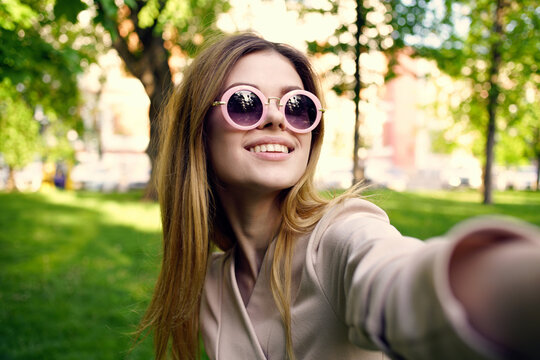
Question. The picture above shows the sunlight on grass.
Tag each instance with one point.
(428, 214)
(141, 215)
(77, 269)
(76, 274)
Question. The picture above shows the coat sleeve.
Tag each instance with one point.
(393, 292)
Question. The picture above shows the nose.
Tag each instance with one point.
(274, 116)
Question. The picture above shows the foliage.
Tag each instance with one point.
(467, 39)
(385, 27)
(146, 33)
(519, 142)
(496, 72)
(342, 43)
(19, 132)
(41, 56)
(380, 27)
(440, 143)
(183, 23)
(367, 31)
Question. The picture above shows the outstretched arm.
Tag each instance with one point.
(472, 294)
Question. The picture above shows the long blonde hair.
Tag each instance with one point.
(192, 217)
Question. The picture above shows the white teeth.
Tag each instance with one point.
(270, 148)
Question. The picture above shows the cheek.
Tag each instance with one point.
(302, 158)
(223, 147)
(216, 132)
(305, 140)
(213, 139)
(217, 156)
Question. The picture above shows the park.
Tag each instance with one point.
(432, 105)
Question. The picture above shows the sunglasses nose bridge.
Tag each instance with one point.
(273, 115)
(277, 99)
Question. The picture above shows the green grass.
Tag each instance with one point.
(77, 269)
(428, 214)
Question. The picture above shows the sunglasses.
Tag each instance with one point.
(244, 108)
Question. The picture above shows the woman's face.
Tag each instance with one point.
(232, 152)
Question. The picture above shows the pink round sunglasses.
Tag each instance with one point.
(245, 108)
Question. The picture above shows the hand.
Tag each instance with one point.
(498, 283)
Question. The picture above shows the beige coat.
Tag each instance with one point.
(361, 291)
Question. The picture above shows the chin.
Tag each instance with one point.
(278, 185)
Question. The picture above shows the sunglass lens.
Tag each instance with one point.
(245, 108)
(301, 111)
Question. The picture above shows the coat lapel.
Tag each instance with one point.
(256, 330)
(237, 337)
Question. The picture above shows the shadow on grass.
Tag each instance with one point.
(72, 284)
(76, 273)
(131, 196)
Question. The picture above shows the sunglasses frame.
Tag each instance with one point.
(266, 101)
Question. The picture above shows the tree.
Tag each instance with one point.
(358, 170)
(379, 26)
(491, 46)
(496, 55)
(145, 34)
(38, 82)
(519, 138)
(19, 132)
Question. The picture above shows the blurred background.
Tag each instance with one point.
(421, 94)
(435, 104)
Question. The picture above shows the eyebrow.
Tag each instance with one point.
(284, 90)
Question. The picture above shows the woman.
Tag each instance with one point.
(299, 276)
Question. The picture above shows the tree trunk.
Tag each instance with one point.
(10, 183)
(161, 84)
(358, 167)
(537, 172)
(490, 143)
(492, 101)
(151, 67)
(536, 146)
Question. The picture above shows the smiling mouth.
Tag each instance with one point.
(270, 148)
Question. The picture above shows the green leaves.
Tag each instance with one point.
(19, 132)
(39, 64)
(107, 16)
(468, 59)
(69, 9)
(149, 14)
(13, 14)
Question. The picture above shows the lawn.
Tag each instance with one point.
(76, 271)
(77, 268)
(427, 214)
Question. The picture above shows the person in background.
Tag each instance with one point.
(259, 266)
(60, 176)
